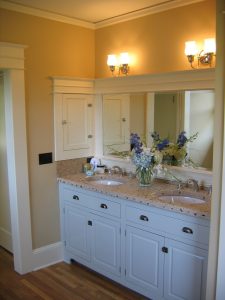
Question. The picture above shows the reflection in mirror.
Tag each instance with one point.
(167, 113)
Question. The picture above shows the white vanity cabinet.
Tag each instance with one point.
(158, 253)
(91, 230)
(166, 253)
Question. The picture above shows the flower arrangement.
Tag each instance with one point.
(143, 158)
(173, 153)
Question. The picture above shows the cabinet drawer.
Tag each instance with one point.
(180, 228)
(78, 198)
(107, 207)
(92, 202)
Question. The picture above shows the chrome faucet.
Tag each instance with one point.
(194, 183)
(116, 170)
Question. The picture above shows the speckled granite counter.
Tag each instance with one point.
(130, 190)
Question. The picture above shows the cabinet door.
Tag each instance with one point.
(144, 260)
(77, 117)
(77, 233)
(185, 271)
(73, 115)
(106, 244)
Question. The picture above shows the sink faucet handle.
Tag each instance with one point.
(194, 183)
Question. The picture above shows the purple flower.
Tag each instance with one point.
(163, 144)
(182, 139)
(136, 143)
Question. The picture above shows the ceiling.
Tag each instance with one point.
(94, 11)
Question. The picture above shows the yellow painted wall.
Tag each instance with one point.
(54, 48)
(156, 42)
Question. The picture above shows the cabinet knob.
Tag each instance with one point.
(187, 230)
(144, 218)
(103, 205)
(75, 197)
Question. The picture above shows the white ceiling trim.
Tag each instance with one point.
(145, 12)
(44, 14)
(126, 17)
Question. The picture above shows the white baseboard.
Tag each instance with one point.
(6, 239)
(47, 255)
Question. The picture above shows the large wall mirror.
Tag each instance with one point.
(168, 113)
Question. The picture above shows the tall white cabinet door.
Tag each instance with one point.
(185, 271)
(77, 232)
(77, 121)
(116, 122)
(73, 126)
(144, 260)
(106, 245)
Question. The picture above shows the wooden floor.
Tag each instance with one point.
(58, 282)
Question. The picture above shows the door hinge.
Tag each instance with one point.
(65, 243)
(90, 136)
(125, 232)
(89, 105)
(64, 210)
(125, 272)
(120, 230)
(120, 269)
(165, 249)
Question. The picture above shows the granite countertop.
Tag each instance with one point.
(130, 190)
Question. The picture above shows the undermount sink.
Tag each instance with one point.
(108, 182)
(181, 198)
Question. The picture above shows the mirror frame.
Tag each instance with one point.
(200, 79)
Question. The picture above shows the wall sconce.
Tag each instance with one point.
(205, 56)
(121, 64)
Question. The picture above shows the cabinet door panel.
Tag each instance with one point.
(77, 232)
(144, 260)
(76, 119)
(185, 272)
(106, 244)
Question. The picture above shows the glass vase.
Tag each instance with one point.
(144, 176)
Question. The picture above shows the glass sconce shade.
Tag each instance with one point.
(112, 61)
(209, 46)
(124, 58)
(190, 48)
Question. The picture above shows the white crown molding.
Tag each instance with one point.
(180, 80)
(126, 17)
(145, 12)
(44, 14)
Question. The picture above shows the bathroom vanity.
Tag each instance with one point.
(125, 232)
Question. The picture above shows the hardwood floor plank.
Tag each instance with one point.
(58, 282)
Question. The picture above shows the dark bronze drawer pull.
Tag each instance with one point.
(75, 197)
(187, 230)
(144, 218)
(103, 205)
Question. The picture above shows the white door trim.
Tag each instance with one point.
(12, 64)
